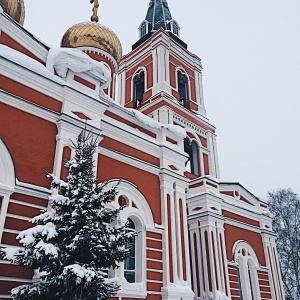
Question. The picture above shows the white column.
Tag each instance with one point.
(270, 264)
(201, 90)
(212, 164)
(218, 267)
(276, 275)
(280, 284)
(212, 261)
(197, 87)
(186, 242)
(215, 153)
(205, 258)
(167, 66)
(161, 65)
(224, 258)
(178, 243)
(202, 170)
(155, 67)
(3, 209)
(174, 238)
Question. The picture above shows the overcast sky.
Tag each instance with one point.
(250, 51)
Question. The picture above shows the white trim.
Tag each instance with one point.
(101, 53)
(18, 202)
(11, 231)
(14, 279)
(130, 191)
(7, 182)
(28, 107)
(7, 169)
(18, 217)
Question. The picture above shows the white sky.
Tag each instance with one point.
(250, 50)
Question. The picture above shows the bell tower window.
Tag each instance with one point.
(139, 89)
(175, 28)
(183, 89)
(192, 165)
(144, 28)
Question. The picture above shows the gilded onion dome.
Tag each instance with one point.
(14, 8)
(92, 34)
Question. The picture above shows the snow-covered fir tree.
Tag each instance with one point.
(73, 244)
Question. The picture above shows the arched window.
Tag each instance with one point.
(130, 261)
(192, 165)
(183, 89)
(7, 182)
(175, 28)
(143, 29)
(139, 89)
(247, 265)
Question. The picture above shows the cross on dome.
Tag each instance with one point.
(94, 17)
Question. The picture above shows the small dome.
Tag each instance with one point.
(92, 34)
(14, 8)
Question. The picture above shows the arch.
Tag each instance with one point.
(244, 245)
(247, 265)
(138, 86)
(142, 211)
(144, 28)
(175, 28)
(7, 182)
(7, 169)
(138, 210)
(183, 86)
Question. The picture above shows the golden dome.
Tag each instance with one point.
(92, 34)
(14, 8)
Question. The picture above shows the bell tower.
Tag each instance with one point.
(162, 79)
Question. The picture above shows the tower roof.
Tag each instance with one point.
(158, 14)
(159, 17)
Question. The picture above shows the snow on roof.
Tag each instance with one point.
(61, 60)
(28, 63)
(177, 130)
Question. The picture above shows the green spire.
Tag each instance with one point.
(159, 15)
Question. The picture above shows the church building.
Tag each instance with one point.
(199, 237)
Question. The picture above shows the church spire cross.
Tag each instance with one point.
(94, 17)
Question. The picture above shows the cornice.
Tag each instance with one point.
(182, 120)
(32, 79)
(28, 107)
(129, 160)
(24, 37)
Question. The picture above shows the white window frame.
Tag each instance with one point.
(142, 216)
(247, 262)
(7, 182)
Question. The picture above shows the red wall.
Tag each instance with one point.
(233, 234)
(147, 184)
(31, 142)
